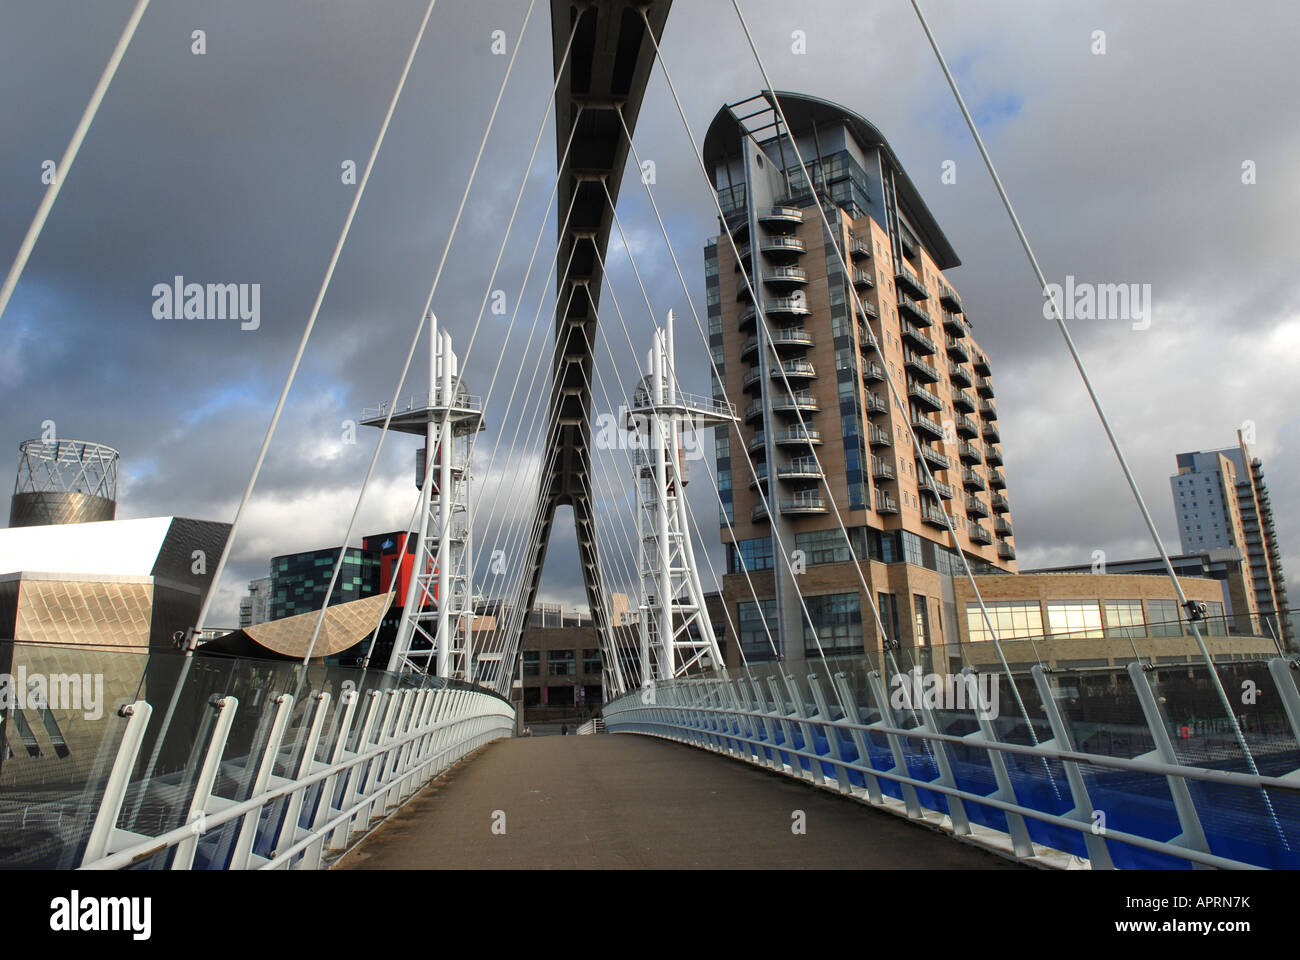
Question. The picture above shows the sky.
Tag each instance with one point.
(1125, 166)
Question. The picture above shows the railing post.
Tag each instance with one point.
(355, 774)
(985, 736)
(102, 833)
(787, 730)
(831, 729)
(307, 765)
(1193, 836)
(185, 850)
(809, 740)
(242, 852)
(854, 715)
(929, 723)
(887, 719)
(1098, 855)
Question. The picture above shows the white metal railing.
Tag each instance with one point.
(593, 726)
(406, 737)
(463, 401)
(789, 726)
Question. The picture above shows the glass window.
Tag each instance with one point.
(1163, 617)
(1124, 618)
(1075, 618)
(1011, 619)
(560, 663)
(758, 631)
(532, 663)
(823, 546)
(754, 554)
(837, 620)
(591, 661)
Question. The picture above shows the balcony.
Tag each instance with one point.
(972, 480)
(809, 502)
(800, 468)
(751, 378)
(795, 369)
(924, 397)
(910, 283)
(961, 400)
(933, 516)
(937, 461)
(759, 476)
(920, 368)
(924, 425)
(993, 455)
(948, 297)
(874, 403)
(980, 534)
(984, 387)
(1003, 526)
(1006, 551)
(785, 306)
(997, 480)
(882, 470)
(955, 325)
(754, 411)
(967, 427)
(969, 453)
(781, 216)
(869, 309)
(885, 503)
(859, 249)
(800, 400)
(923, 344)
(988, 411)
(785, 276)
(908, 307)
(863, 278)
(797, 437)
(959, 375)
(1000, 504)
(757, 442)
(957, 351)
(873, 372)
(976, 507)
(982, 364)
(991, 434)
(782, 246)
(758, 512)
(877, 437)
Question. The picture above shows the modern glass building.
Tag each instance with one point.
(299, 580)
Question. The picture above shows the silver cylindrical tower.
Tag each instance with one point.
(64, 481)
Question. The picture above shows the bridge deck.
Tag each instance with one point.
(634, 802)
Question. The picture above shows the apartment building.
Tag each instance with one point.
(819, 423)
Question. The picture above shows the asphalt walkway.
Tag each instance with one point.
(621, 801)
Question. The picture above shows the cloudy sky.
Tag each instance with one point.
(1126, 167)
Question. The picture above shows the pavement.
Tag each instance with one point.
(631, 802)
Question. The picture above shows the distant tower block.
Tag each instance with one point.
(676, 634)
(435, 632)
(64, 481)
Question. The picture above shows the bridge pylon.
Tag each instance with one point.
(675, 631)
(435, 631)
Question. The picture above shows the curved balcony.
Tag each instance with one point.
(783, 277)
(810, 502)
(760, 476)
(795, 437)
(797, 337)
(781, 216)
(786, 306)
(800, 468)
(751, 378)
(795, 369)
(798, 401)
(758, 512)
(757, 442)
(782, 246)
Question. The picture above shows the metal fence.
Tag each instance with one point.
(1123, 765)
(216, 763)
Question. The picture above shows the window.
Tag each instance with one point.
(532, 663)
(560, 663)
(1163, 617)
(837, 621)
(1074, 618)
(1011, 620)
(754, 554)
(823, 546)
(1124, 618)
(591, 661)
(754, 628)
